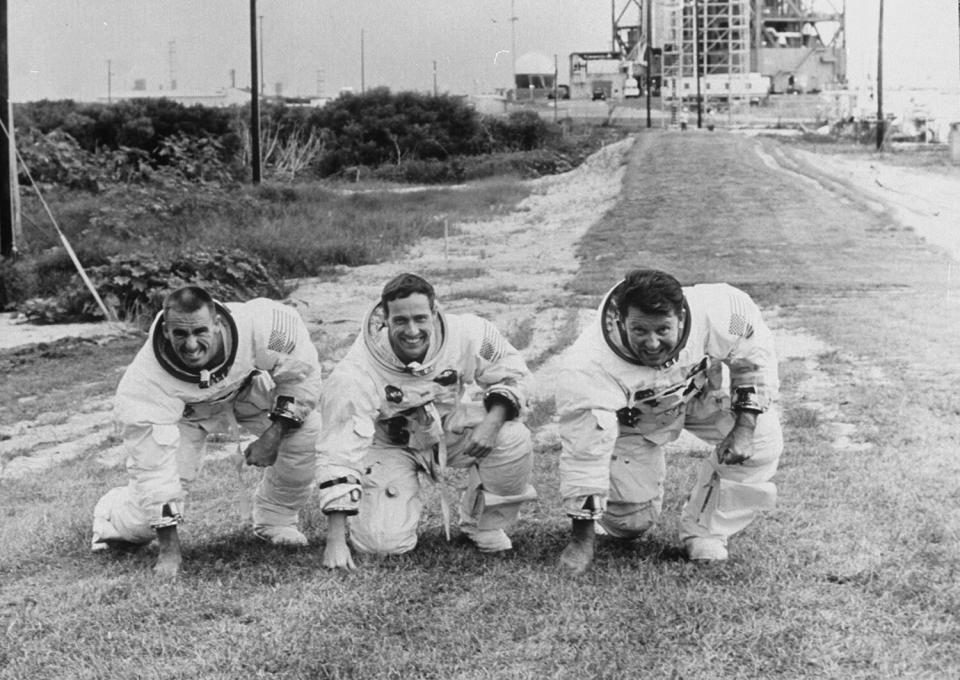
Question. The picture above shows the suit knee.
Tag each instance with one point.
(629, 520)
(370, 540)
(514, 436)
(390, 509)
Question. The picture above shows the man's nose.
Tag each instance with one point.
(651, 342)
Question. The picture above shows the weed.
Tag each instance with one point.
(803, 418)
(542, 412)
(565, 337)
(456, 274)
(498, 294)
(521, 334)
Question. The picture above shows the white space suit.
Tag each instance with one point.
(166, 412)
(616, 415)
(392, 422)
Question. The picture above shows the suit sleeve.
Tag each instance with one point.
(741, 338)
(284, 349)
(148, 419)
(349, 407)
(501, 370)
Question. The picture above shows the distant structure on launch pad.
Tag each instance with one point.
(715, 49)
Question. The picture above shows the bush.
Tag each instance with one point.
(519, 131)
(134, 287)
(138, 123)
(129, 139)
(57, 158)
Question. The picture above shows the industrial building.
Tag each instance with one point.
(715, 49)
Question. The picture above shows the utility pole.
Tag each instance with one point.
(263, 81)
(649, 20)
(7, 246)
(363, 74)
(255, 159)
(880, 80)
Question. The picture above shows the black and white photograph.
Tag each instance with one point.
(486, 339)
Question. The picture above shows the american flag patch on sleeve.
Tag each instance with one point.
(491, 347)
(739, 325)
(284, 332)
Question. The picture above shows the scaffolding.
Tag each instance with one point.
(705, 53)
(726, 37)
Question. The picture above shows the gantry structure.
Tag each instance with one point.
(735, 46)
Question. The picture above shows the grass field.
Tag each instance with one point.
(853, 576)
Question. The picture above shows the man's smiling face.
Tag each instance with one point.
(196, 337)
(652, 337)
(410, 326)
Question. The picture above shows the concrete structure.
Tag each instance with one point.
(535, 76)
(597, 75)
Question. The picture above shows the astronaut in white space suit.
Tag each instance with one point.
(419, 391)
(208, 368)
(659, 359)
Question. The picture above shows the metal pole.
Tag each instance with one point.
(255, 159)
(696, 56)
(434, 77)
(109, 82)
(704, 61)
(7, 245)
(556, 90)
(649, 8)
(263, 81)
(880, 80)
(613, 26)
(363, 75)
(513, 48)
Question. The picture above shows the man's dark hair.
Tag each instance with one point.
(403, 286)
(189, 299)
(652, 292)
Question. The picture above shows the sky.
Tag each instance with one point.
(78, 49)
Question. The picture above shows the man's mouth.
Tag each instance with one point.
(192, 357)
(653, 357)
